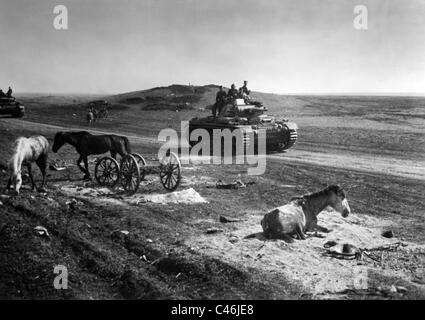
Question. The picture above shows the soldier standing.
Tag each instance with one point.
(220, 101)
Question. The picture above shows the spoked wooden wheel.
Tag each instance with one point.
(107, 171)
(170, 172)
(141, 162)
(129, 174)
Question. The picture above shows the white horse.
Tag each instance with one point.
(300, 215)
(26, 151)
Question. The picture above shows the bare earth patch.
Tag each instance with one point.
(306, 261)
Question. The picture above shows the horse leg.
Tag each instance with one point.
(80, 166)
(299, 231)
(9, 183)
(322, 229)
(31, 176)
(286, 238)
(42, 164)
(86, 165)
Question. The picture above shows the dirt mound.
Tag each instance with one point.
(188, 196)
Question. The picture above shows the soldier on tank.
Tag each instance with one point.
(2, 95)
(232, 94)
(244, 88)
(9, 92)
(220, 101)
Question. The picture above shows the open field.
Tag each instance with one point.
(373, 146)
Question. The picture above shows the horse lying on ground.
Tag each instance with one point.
(26, 151)
(87, 144)
(300, 215)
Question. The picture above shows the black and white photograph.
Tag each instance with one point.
(212, 150)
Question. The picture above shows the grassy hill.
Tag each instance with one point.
(174, 97)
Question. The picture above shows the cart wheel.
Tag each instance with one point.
(141, 163)
(107, 171)
(129, 174)
(170, 172)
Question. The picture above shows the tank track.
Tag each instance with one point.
(293, 136)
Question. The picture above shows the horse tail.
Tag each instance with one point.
(127, 145)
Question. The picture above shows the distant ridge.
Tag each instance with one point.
(358, 94)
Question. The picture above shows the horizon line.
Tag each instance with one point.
(352, 93)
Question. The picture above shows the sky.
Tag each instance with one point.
(279, 46)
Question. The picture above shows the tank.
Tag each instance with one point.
(9, 105)
(250, 116)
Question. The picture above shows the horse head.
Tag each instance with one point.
(15, 180)
(59, 141)
(338, 200)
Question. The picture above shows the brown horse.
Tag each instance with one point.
(300, 215)
(87, 144)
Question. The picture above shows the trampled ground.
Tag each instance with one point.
(371, 146)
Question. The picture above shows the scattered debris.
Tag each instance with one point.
(391, 290)
(234, 185)
(4, 198)
(330, 244)
(224, 219)
(125, 232)
(42, 231)
(143, 200)
(58, 165)
(317, 235)
(149, 240)
(401, 289)
(348, 251)
(388, 234)
(1, 203)
(214, 230)
(233, 239)
(387, 247)
(344, 251)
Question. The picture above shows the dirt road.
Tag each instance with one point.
(374, 163)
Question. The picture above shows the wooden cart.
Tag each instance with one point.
(132, 169)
